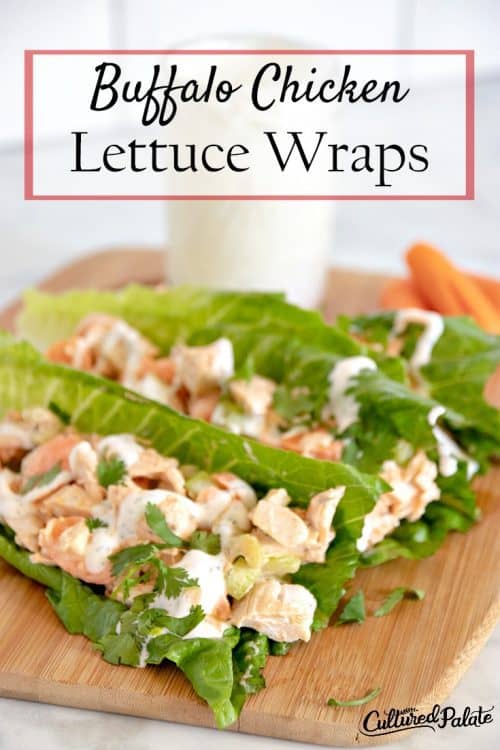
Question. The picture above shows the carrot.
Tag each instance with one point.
(489, 287)
(448, 290)
(430, 272)
(400, 293)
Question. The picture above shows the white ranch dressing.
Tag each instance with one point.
(104, 541)
(208, 570)
(433, 328)
(343, 406)
(122, 334)
(449, 452)
(121, 446)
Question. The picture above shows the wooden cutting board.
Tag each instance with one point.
(416, 654)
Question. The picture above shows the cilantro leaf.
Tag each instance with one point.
(171, 581)
(205, 541)
(397, 596)
(95, 523)
(111, 471)
(159, 618)
(41, 480)
(354, 610)
(138, 554)
(355, 701)
(157, 524)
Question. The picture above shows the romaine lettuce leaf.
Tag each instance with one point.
(97, 405)
(462, 360)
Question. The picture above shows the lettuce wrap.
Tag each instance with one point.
(222, 671)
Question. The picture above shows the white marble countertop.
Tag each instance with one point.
(39, 236)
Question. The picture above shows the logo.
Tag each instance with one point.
(376, 724)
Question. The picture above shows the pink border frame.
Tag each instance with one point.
(469, 124)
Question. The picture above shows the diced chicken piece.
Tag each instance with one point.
(83, 466)
(237, 488)
(202, 406)
(180, 514)
(255, 396)
(162, 368)
(233, 520)
(320, 515)
(280, 523)
(18, 513)
(211, 502)
(202, 368)
(278, 497)
(413, 488)
(282, 611)
(22, 431)
(152, 387)
(64, 541)
(69, 500)
(54, 452)
(317, 443)
(164, 471)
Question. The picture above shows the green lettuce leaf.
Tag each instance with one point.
(98, 405)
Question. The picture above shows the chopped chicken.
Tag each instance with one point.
(280, 523)
(17, 512)
(320, 515)
(255, 396)
(201, 368)
(237, 488)
(203, 405)
(282, 611)
(83, 465)
(164, 471)
(22, 431)
(55, 451)
(307, 537)
(64, 542)
(318, 443)
(68, 500)
(413, 488)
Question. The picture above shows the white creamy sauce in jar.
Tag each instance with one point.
(433, 328)
(344, 406)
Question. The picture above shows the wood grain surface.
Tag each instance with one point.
(416, 655)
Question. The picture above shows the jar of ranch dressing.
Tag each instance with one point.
(264, 245)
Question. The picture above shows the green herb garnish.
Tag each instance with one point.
(354, 610)
(355, 701)
(397, 596)
(157, 524)
(41, 480)
(95, 523)
(111, 471)
(206, 542)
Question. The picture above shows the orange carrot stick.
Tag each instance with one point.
(449, 290)
(489, 287)
(400, 293)
(430, 272)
